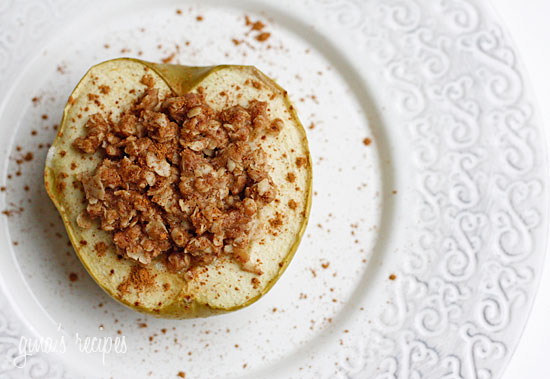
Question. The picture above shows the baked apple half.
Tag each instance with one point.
(185, 191)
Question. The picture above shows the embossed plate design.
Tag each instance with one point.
(428, 229)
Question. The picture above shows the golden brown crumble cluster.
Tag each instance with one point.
(179, 179)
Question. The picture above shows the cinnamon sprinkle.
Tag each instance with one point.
(139, 279)
(262, 37)
(169, 58)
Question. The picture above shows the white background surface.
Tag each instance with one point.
(529, 23)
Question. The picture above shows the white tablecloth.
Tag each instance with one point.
(529, 23)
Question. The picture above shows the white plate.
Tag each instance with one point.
(450, 200)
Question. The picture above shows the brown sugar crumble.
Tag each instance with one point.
(179, 181)
(392, 277)
(73, 277)
(181, 374)
(367, 141)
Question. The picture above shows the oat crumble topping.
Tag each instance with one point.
(178, 181)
